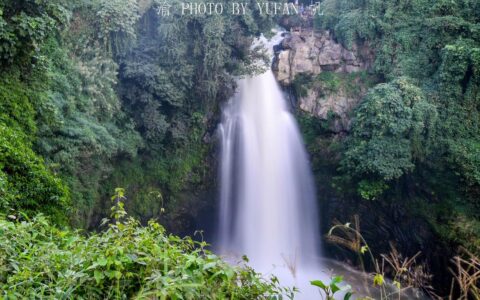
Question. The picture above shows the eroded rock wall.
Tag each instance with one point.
(313, 53)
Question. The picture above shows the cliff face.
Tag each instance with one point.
(329, 81)
(334, 86)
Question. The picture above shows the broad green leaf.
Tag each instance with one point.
(209, 265)
(98, 276)
(318, 283)
(337, 279)
(102, 261)
(334, 287)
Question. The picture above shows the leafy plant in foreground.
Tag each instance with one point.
(127, 260)
(333, 287)
(406, 274)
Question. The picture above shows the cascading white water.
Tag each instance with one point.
(267, 205)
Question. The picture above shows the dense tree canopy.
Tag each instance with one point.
(92, 83)
(421, 124)
(392, 130)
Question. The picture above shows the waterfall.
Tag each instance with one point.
(267, 197)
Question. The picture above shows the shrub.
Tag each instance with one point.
(392, 129)
(25, 182)
(38, 260)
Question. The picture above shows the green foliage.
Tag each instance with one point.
(179, 67)
(126, 260)
(378, 280)
(392, 129)
(24, 26)
(403, 270)
(351, 84)
(83, 125)
(463, 230)
(25, 182)
(311, 127)
(170, 83)
(75, 117)
(174, 172)
(86, 115)
(16, 108)
(333, 287)
(116, 18)
(434, 142)
(454, 220)
(331, 81)
(301, 83)
(363, 30)
(466, 154)
(370, 190)
(407, 35)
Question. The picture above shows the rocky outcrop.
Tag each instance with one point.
(336, 105)
(311, 54)
(308, 52)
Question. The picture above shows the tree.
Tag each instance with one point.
(392, 129)
(26, 184)
(24, 25)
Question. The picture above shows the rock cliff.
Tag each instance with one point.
(330, 76)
